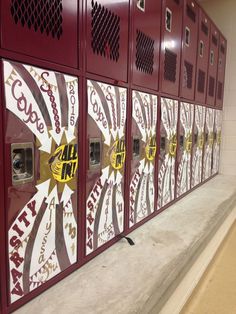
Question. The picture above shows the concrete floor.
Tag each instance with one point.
(215, 293)
(139, 279)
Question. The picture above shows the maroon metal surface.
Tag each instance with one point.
(107, 38)
(202, 57)
(212, 65)
(146, 43)
(189, 49)
(221, 72)
(171, 42)
(46, 30)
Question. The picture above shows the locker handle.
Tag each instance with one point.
(173, 146)
(141, 5)
(136, 148)
(94, 153)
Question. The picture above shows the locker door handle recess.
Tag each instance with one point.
(22, 160)
(94, 153)
(136, 148)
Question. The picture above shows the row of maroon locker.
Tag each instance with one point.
(172, 45)
(63, 202)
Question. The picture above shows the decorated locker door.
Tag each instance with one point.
(208, 145)
(42, 158)
(221, 72)
(185, 138)
(202, 57)
(217, 141)
(107, 153)
(189, 49)
(171, 43)
(212, 65)
(107, 38)
(168, 146)
(146, 39)
(198, 143)
(142, 185)
(46, 30)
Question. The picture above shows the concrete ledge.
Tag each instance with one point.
(140, 279)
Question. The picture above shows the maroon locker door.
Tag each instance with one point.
(107, 38)
(212, 65)
(106, 125)
(46, 30)
(189, 49)
(146, 39)
(142, 183)
(171, 41)
(202, 57)
(221, 72)
(41, 183)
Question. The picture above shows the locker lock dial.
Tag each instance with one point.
(22, 163)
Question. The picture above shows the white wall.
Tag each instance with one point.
(223, 13)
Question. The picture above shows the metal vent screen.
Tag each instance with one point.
(204, 28)
(222, 49)
(211, 90)
(219, 90)
(190, 13)
(170, 65)
(214, 40)
(188, 75)
(44, 16)
(105, 30)
(144, 53)
(201, 81)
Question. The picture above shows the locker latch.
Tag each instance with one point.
(22, 159)
(141, 5)
(136, 147)
(94, 152)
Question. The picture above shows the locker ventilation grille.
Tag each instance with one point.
(44, 16)
(219, 91)
(222, 49)
(211, 86)
(105, 32)
(191, 14)
(176, 1)
(201, 81)
(214, 40)
(204, 28)
(188, 74)
(144, 53)
(170, 64)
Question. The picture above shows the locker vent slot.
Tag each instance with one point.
(214, 40)
(105, 30)
(43, 16)
(219, 91)
(170, 65)
(176, 1)
(144, 53)
(190, 13)
(211, 86)
(222, 49)
(188, 75)
(204, 28)
(201, 81)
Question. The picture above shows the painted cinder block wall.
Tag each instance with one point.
(223, 14)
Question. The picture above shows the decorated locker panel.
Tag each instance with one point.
(107, 38)
(146, 38)
(168, 147)
(171, 43)
(42, 158)
(221, 72)
(212, 65)
(217, 141)
(202, 57)
(185, 139)
(46, 30)
(189, 49)
(142, 185)
(208, 145)
(107, 153)
(198, 144)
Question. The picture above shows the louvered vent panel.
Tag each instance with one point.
(211, 90)
(170, 65)
(219, 91)
(204, 28)
(190, 13)
(201, 81)
(105, 32)
(144, 53)
(43, 16)
(214, 40)
(188, 74)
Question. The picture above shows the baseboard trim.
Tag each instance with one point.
(184, 290)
